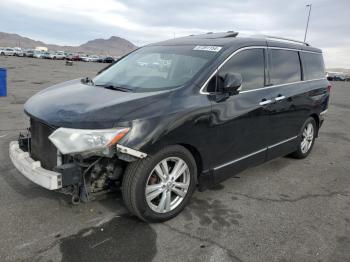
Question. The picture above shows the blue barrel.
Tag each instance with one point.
(3, 82)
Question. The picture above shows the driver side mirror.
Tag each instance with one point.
(232, 83)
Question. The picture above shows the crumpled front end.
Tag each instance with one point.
(80, 174)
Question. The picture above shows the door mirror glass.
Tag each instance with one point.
(232, 83)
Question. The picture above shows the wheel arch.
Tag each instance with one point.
(191, 148)
(197, 157)
(317, 120)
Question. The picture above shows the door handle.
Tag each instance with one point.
(280, 98)
(265, 102)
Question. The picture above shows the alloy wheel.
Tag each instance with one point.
(167, 184)
(307, 139)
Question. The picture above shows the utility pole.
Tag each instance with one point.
(308, 19)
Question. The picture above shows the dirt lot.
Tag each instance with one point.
(284, 210)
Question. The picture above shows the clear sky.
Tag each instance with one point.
(74, 22)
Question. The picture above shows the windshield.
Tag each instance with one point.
(155, 68)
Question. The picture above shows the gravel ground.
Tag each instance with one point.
(284, 210)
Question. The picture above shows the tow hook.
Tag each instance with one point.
(75, 195)
(79, 195)
(75, 199)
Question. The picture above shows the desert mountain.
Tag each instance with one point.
(113, 46)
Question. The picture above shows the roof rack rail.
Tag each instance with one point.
(283, 39)
(212, 35)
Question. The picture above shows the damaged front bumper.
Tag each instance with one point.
(32, 169)
(67, 175)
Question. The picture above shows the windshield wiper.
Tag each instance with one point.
(88, 80)
(118, 88)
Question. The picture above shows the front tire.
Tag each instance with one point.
(306, 139)
(158, 187)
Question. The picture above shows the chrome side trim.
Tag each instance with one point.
(282, 142)
(254, 153)
(239, 159)
(257, 47)
(324, 112)
(292, 83)
(130, 151)
(293, 49)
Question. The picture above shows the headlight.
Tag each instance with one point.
(74, 141)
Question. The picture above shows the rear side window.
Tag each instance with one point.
(250, 64)
(284, 66)
(313, 66)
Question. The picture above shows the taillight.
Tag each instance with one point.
(329, 87)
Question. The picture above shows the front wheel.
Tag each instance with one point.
(307, 139)
(158, 187)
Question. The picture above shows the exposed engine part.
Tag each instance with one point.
(85, 188)
(86, 179)
(100, 182)
(104, 173)
(115, 171)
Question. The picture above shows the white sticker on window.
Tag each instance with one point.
(208, 48)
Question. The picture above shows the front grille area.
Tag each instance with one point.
(41, 147)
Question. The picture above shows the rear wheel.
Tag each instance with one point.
(158, 187)
(307, 139)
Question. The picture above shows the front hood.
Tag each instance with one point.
(76, 105)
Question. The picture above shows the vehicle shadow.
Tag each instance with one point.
(124, 238)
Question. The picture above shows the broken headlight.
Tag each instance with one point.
(85, 141)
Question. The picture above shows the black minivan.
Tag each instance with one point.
(174, 116)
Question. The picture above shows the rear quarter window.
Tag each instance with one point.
(284, 66)
(313, 66)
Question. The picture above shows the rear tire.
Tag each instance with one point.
(307, 138)
(153, 190)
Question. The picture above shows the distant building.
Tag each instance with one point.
(41, 48)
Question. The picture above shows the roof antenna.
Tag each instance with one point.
(308, 20)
